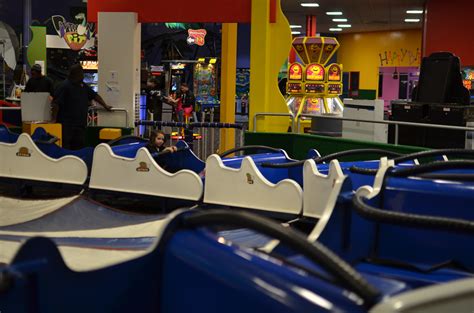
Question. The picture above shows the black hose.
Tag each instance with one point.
(422, 154)
(430, 167)
(245, 148)
(411, 220)
(364, 171)
(316, 252)
(337, 155)
(283, 165)
(332, 156)
(432, 153)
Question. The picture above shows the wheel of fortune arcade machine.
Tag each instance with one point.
(322, 86)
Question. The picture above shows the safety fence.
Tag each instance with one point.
(396, 123)
(202, 137)
(296, 121)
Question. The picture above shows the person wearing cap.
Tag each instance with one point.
(154, 98)
(38, 82)
(70, 107)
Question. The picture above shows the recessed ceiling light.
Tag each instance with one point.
(412, 20)
(295, 26)
(339, 19)
(310, 5)
(335, 29)
(344, 25)
(334, 13)
(414, 11)
(295, 33)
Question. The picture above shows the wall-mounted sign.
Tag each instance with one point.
(75, 35)
(196, 37)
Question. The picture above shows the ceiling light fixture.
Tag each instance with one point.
(335, 29)
(295, 33)
(310, 5)
(412, 20)
(295, 26)
(344, 25)
(414, 11)
(339, 19)
(334, 13)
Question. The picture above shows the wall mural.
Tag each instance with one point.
(401, 57)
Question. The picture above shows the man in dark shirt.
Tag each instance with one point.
(38, 82)
(154, 98)
(70, 107)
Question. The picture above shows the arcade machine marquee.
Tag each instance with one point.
(313, 87)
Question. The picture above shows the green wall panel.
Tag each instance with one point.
(367, 94)
(37, 46)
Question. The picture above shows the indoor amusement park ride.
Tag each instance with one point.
(162, 263)
(313, 87)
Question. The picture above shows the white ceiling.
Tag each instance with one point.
(363, 15)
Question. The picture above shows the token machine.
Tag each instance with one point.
(313, 87)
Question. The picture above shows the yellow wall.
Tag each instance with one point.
(366, 52)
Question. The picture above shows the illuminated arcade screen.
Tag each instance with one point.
(334, 73)
(92, 79)
(315, 72)
(334, 89)
(294, 88)
(314, 88)
(313, 105)
(295, 72)
(90, 65)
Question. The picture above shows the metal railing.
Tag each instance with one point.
(396, 123)
(10, 108)
(206, 144)
(93, 111)
(292, 117)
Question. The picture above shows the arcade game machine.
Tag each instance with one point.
(294, 88)
(91, 68)
(468, 81)
(176, 75)
(320, 85)
(205, 84)
(314, 89)
(332, 101)
(242, 90)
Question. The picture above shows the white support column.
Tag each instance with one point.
(119, 63)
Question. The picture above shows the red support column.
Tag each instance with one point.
(310, 25)
(292, 57)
